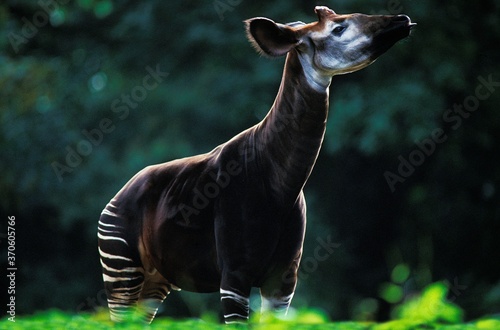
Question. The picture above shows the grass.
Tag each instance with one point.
(428, 310)
(304, 319)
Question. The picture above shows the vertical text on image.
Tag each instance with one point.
(11, 267)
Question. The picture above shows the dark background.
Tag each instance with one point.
(66, 65)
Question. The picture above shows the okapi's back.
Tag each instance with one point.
(165, 192)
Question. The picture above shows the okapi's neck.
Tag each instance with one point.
(292, 132)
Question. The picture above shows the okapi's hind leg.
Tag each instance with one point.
(122, 270)
(155, 288)
(154, 291)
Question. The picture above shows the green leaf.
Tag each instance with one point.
(431, 306)
(103, 8)
(391, 292)
(400, 273)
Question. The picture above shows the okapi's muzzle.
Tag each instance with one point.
(390, 30)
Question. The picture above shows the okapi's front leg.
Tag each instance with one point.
(277, 292)
(234, 297)
(236, 261)
(278, 289)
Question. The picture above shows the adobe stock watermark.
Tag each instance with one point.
(30, 28)
(210, 190)
(455, 288)
(91, 304)
(455, 116)
(393, 7)
(308, 265)
(218, 181)
(223, 6)
(120, 107)
(455, 291)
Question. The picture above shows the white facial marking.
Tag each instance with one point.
(323, 33)
(316, 79)
(335, 53)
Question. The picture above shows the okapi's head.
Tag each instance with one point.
(336, 44)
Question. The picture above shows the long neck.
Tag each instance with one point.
(289, 138)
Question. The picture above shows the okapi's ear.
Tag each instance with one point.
(271, 38)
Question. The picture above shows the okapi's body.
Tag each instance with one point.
(235, 218)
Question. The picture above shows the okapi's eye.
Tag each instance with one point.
(337, 31)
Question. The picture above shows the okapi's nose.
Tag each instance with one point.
(403, 19)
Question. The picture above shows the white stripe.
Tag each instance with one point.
(107, 278)
(236, 297)
(121, 305)
(126, 269)
(111, 238)
(110, 256)
(276, 303)
(137, 287)
(287, 298)
(238, 300)
(109, 231)
(235, 314)
(124, 295)
(108, 212)
(108, 225)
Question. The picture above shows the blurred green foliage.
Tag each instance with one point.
(431, 306)
(302, 319)
(65, 66)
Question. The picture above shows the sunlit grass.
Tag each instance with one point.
(302, 319)
(429, 310)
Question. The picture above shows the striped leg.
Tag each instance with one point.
(277, 292)
(235, 306)
(154, 291)
(279, 304)
(123, 273)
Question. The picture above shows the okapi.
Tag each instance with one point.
(235, 218)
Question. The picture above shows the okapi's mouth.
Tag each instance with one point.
(398, 28)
